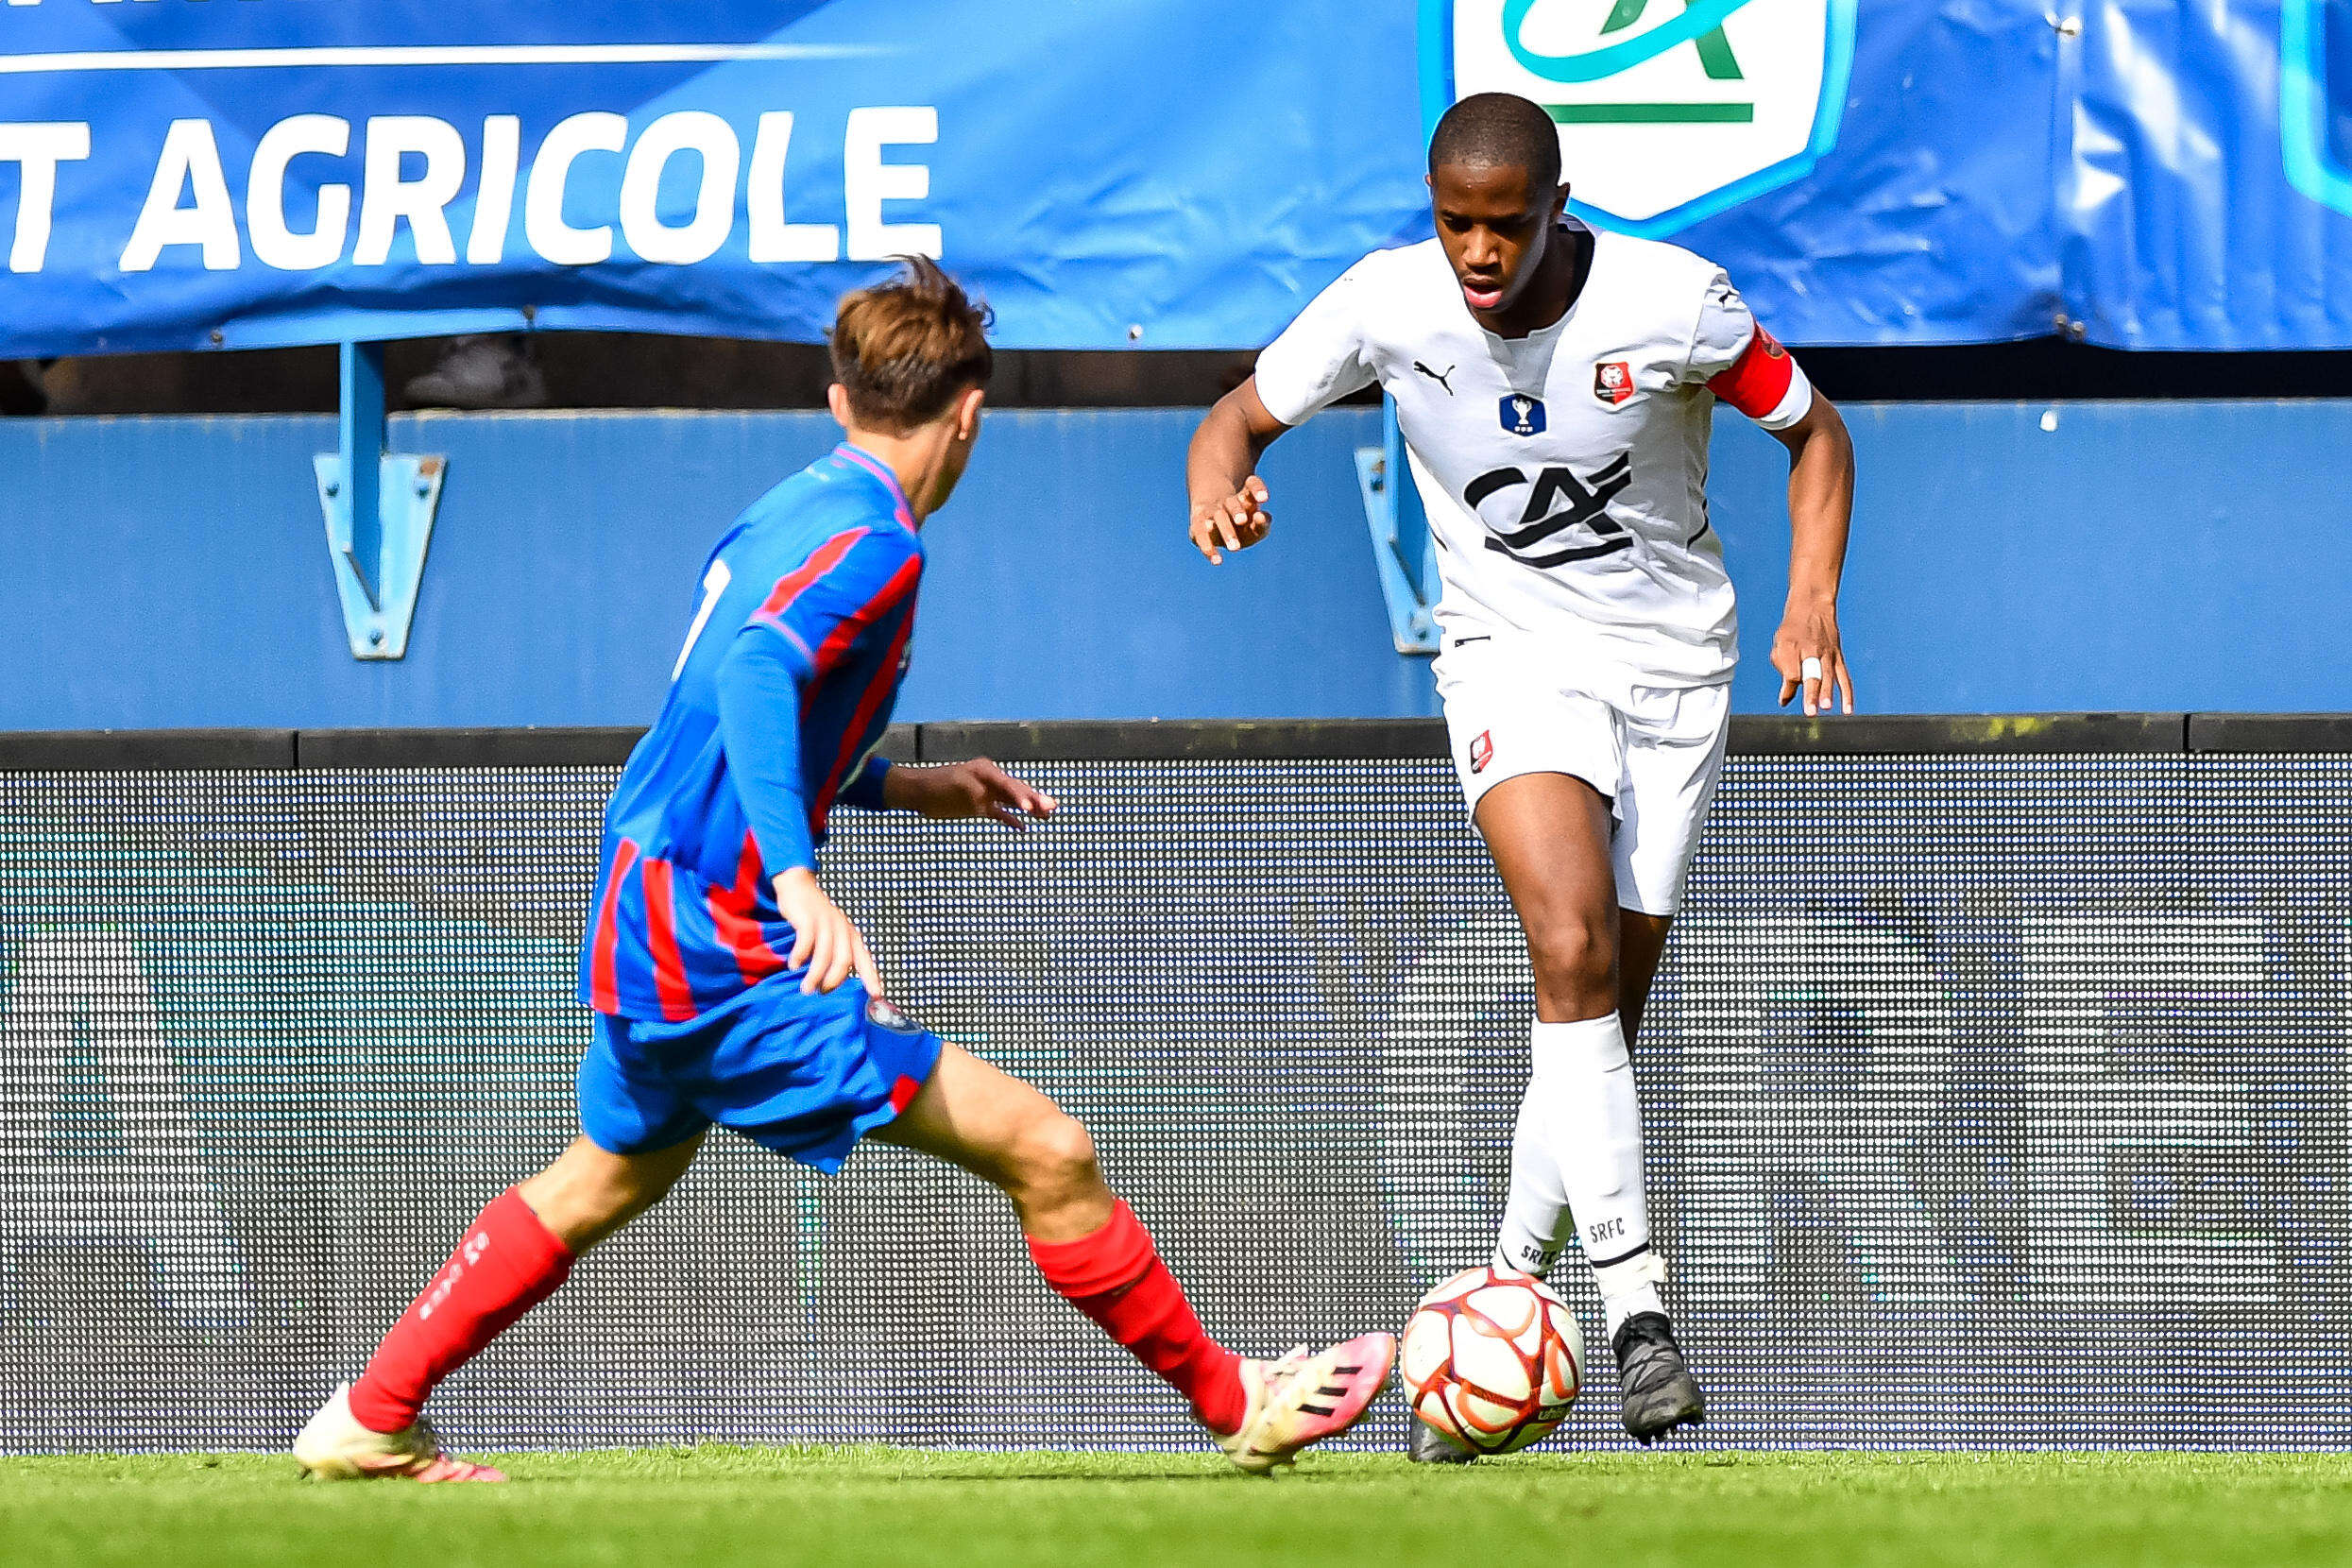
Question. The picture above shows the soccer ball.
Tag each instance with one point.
(1493, 1359)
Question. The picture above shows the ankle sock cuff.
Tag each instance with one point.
(1588, 1045)
(517, 1223)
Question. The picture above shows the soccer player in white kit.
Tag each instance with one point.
(1556, 386)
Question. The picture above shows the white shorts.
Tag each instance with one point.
(1655, 751)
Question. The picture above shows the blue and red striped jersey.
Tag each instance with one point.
(791, 665)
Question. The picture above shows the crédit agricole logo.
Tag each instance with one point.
(1668, 110)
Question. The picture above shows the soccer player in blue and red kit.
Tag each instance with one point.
(729, 990)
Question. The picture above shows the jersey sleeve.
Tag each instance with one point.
(759, 684)
(818, 609)
(1736, 358)
(1321, 356)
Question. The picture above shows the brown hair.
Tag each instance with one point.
(904, 350)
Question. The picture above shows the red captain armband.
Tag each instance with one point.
(1759, 380)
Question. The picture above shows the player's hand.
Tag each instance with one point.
(1809, 631)
(824, 938)
(1235, 523)
(964, 790)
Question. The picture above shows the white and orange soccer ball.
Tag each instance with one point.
(1493, 1359)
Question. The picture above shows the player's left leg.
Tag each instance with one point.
(1576, 1147)
(517, 1252)
(1675, 743)
(1098, 1255)
(1641, 943)
(641, 1136)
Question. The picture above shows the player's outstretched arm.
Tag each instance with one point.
(1820, 511)
(1229, 500)
(965, 789)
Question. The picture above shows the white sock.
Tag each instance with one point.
(1535, 1213)
(1577, 1154)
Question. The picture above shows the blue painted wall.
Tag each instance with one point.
(2076, 557)
(173, 572)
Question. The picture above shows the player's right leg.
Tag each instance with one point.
(1095, 1254)
(516, 1254)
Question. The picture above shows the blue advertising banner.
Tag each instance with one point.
(2209, 203)
(1156, 173)
(178, 175)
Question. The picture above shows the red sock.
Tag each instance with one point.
(507, 1265)
(1116, 1277)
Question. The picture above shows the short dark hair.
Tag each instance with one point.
(904, 350)
(1499, 130)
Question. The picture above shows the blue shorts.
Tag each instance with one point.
(806, 1076)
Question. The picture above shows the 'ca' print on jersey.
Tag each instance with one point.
(1558, 502)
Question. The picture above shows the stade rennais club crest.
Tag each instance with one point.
(1669, 111)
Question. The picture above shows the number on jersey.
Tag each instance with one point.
(714, 584)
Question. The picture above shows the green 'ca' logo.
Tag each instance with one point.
(1714, 57)
(1668, 110)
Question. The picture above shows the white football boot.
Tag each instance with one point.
(1301, 1400)
(333, 1446)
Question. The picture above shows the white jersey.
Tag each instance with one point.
(1564, 473)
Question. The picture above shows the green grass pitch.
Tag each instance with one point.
(714, 1508)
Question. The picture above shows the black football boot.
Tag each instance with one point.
(1659, 1394)
(1428, 1445)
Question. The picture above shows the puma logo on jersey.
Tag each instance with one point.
(1586, 501)
(1523, 415)
(1438, 376)
(1613, 383)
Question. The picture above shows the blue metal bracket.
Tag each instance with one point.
(380, 509)
(1402, 548)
